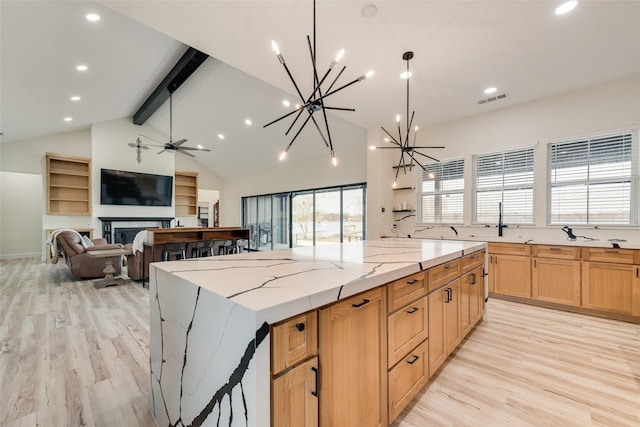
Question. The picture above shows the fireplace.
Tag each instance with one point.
(123, 230)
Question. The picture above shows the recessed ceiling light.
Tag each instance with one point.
(247, 122)
(405, 75)
(489, 90)
(68, 119)
(286, 103)
(220, 136)
(82, 68)
(93, 17)
(566, 7)
(369, 10)
(75, 98)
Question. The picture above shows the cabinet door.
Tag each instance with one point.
(437, 345)
(608, 286)
(295, 397)
(406, 329)
(556, 280)
(452, 314)
(354, 363)
(512, 275)
(471, 299)
(293, 341)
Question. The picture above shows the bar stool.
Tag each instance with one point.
(174, 251)
(202, 248)
(228, 247)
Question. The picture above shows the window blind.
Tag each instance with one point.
(442, 192)
(593, 181)
(504, 177)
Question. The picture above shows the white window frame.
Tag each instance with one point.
(502, 188)
(442, 165)
(632, 179)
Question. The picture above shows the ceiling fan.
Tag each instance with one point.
(171, 145)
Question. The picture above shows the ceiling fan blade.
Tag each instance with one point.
(186, 153)
(193, 149)
(153, 139)
(179, 143)
(160, 152)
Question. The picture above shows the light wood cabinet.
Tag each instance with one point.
(556, 281)
(407, 378)
(68, 185)
(406, 329)
(471, 299)
(443, 273)
(186, 185)
(444, 324)
(294, 341)
(510, 269)
(611, 287)
(353, 356)
(295, 396)
(403, 291)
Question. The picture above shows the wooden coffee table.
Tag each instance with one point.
(109, 280)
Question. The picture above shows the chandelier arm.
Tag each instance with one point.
(282, 117)
(416, 160)
(344, 67)
(313, 62)
(297, 133)
(397, 171)
(429, 157)
(392, 138)
(294, 121)
(339, 108)
(326, 123)
(293, 81)
(319, 130)
(400, 136)
(409, 127)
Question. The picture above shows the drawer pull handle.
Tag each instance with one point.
(413, 310)
(448, 267)
(300, 326)
(414, 360)
(473, 256)
(611, 252)
(412, 282)
(448, 292)
(473, 278)
(555, 249)
(364, 301)
(315, 371)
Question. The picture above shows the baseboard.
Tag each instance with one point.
(20, 256)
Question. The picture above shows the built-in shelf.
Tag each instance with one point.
(403, 210)
(68, 185)
(186, 193)
(405, 166)
(404, 188)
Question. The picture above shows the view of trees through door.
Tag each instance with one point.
(305, 218)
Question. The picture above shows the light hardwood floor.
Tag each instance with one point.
(73, 355)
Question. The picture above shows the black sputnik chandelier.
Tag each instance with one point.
(404, 144)
(315, 102)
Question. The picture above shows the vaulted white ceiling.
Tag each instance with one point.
(461, 47)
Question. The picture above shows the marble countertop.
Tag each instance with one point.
(581, 242)
(282, 283)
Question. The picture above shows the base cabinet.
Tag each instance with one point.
(511, 275)
(556, 281)
(471, 299)
(611, 287)
(353, 358)
(407, 378)
(295, 397)
(444, 324)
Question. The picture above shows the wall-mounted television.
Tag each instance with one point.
(133, 188)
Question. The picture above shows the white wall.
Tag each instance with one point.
(21, 234)
(290, 176)
(608, 107)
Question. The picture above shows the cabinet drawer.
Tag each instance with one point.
(443, 273)
(471, 261)
(403, 291)
(620, 256)
(406, 328)
(509, 248)
(557, 252)
(293, 341)
(407, 378)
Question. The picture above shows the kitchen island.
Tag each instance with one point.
(210, 341)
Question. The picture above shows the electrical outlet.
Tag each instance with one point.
(393, 226)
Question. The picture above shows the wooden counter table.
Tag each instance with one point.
(156, 237)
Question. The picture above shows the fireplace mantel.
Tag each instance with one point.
(108, 223)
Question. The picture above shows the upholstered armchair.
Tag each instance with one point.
(81, 264)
